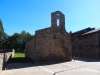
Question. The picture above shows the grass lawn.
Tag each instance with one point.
(19, 55)
(18, 58)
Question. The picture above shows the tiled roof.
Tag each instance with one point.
(92, 31)
(83, 31)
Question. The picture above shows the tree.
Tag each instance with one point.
(28, 36)
(70, 32)
(1, 34)
(24, 36)
(17, 40)
(6, 42)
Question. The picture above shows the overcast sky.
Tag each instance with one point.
(32, 15)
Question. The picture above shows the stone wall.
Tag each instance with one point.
(29, 48)
(88, 46)
(4, 58)
(50, 44)
(1, 61)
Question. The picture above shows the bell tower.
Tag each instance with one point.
(58, 19)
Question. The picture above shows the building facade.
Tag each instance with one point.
(86, 43)
(50, 44)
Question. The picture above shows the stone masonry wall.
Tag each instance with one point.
(1, 61)
(29, 48)
(50, 44)
(87, 47)
(4, 58)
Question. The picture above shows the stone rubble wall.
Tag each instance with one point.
(4, 58)
(89, 47)
(1, 61)
(29, 48)
(49, 45)
(52, 43)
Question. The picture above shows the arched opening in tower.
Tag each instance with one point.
(58, 22)
(58, 19)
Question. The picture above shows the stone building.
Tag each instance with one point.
(50, 44)
(86, 43)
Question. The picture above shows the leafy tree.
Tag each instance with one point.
(24, 36)
(17, 40)
(28, 36)
(1, 29)
(70, 32)
(6, 41)
(1, 34)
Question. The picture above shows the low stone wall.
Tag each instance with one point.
(4, 58)
(1, 61)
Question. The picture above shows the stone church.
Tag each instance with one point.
(50, 44)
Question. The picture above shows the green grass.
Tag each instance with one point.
(16, 55)
(18, 58)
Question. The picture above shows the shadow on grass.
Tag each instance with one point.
(18, 60)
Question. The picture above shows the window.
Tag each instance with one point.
(57, 22)
(58, 19)
(57, 16)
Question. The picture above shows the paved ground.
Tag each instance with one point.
(78, 67)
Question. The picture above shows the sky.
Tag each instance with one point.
(32, 15)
